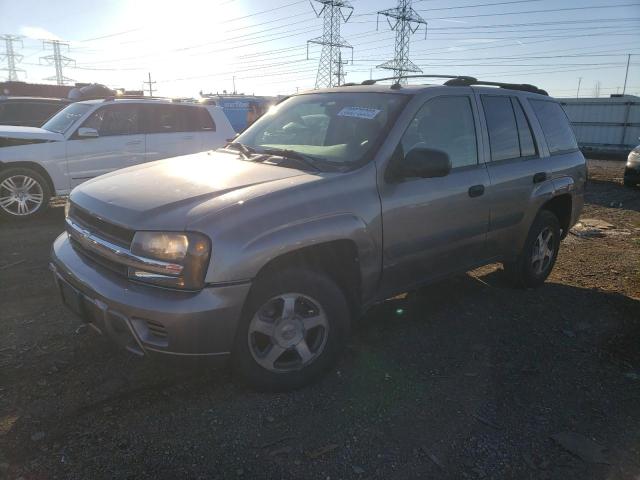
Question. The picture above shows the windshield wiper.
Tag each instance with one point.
(244, 150)
(307, 160)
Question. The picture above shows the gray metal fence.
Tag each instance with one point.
(606, 125)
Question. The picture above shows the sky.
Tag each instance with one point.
(191, 46)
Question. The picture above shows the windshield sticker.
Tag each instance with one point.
(359, 112)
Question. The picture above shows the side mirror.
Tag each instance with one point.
(425, 163)
(86, 132)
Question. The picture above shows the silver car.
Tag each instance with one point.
(263, 252)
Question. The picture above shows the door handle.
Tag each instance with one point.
(188, 137)
(134, 142)
(539, 177)
(476, 190)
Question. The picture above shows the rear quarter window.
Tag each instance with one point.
(200, 120)
(555, 126)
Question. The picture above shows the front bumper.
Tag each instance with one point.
(146, 319)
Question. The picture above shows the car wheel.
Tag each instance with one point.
(628, 183)
(294, 328)
(23, 193)
(539, 254)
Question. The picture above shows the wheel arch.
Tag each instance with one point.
(32, 166)
(561, 206)
(339, 259)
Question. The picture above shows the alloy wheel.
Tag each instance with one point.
(21, 195)
(543, 251)
(288, 332)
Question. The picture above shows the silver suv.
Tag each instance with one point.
(263, 252)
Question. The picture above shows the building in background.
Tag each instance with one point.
(605, 125)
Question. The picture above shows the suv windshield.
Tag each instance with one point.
(62, 121)
(337, 128)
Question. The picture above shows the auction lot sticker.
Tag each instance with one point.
(359, 112)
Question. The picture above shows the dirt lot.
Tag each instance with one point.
(466, 379)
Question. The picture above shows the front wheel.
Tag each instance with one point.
(535, 262)
(23, 193)
(294, 328)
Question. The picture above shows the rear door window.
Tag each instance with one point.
(167, 118)
(555, 126)
(527, 144)
(502, 127)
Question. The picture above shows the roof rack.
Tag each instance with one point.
(145, 97)
(461, 81)
(470, 81)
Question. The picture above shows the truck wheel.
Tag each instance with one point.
(539, 254)
(294, 327)
(23, 193)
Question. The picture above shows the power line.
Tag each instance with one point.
(590, 7)
(58, 60)
(11, 57)
(333, 12)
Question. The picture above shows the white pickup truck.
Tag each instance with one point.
(93, 137)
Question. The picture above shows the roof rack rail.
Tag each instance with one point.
(524, 87)
(146, 97)
(462, 81)
(373, 81)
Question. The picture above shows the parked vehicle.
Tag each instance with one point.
(266, 250)
(632, 169)
(29, 111)
(93, 137)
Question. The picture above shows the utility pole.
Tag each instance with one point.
(596, 89)
(626, 75)
(11, 57)
(150, 83)
(334, 12)
(58, 60)
(579, 82)
(406, 22)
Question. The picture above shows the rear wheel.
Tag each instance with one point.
(23, 193)
(535, 262)
(294, 328)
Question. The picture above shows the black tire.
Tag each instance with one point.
(42, 184)
(333, 302)
(522, 271)
(628, 183)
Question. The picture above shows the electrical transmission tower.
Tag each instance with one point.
(11, 57)
(406, 22)
(334, 12)
(58, 60)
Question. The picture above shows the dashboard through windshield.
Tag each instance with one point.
(337, 128)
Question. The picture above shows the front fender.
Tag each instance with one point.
(254, 254)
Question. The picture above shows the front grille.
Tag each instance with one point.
(101, 228)
(98, 259)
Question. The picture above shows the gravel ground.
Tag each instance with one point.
(465, 379)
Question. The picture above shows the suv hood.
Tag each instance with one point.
(172, 193)
(29, 133)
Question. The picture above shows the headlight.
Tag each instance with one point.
(189, 250)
